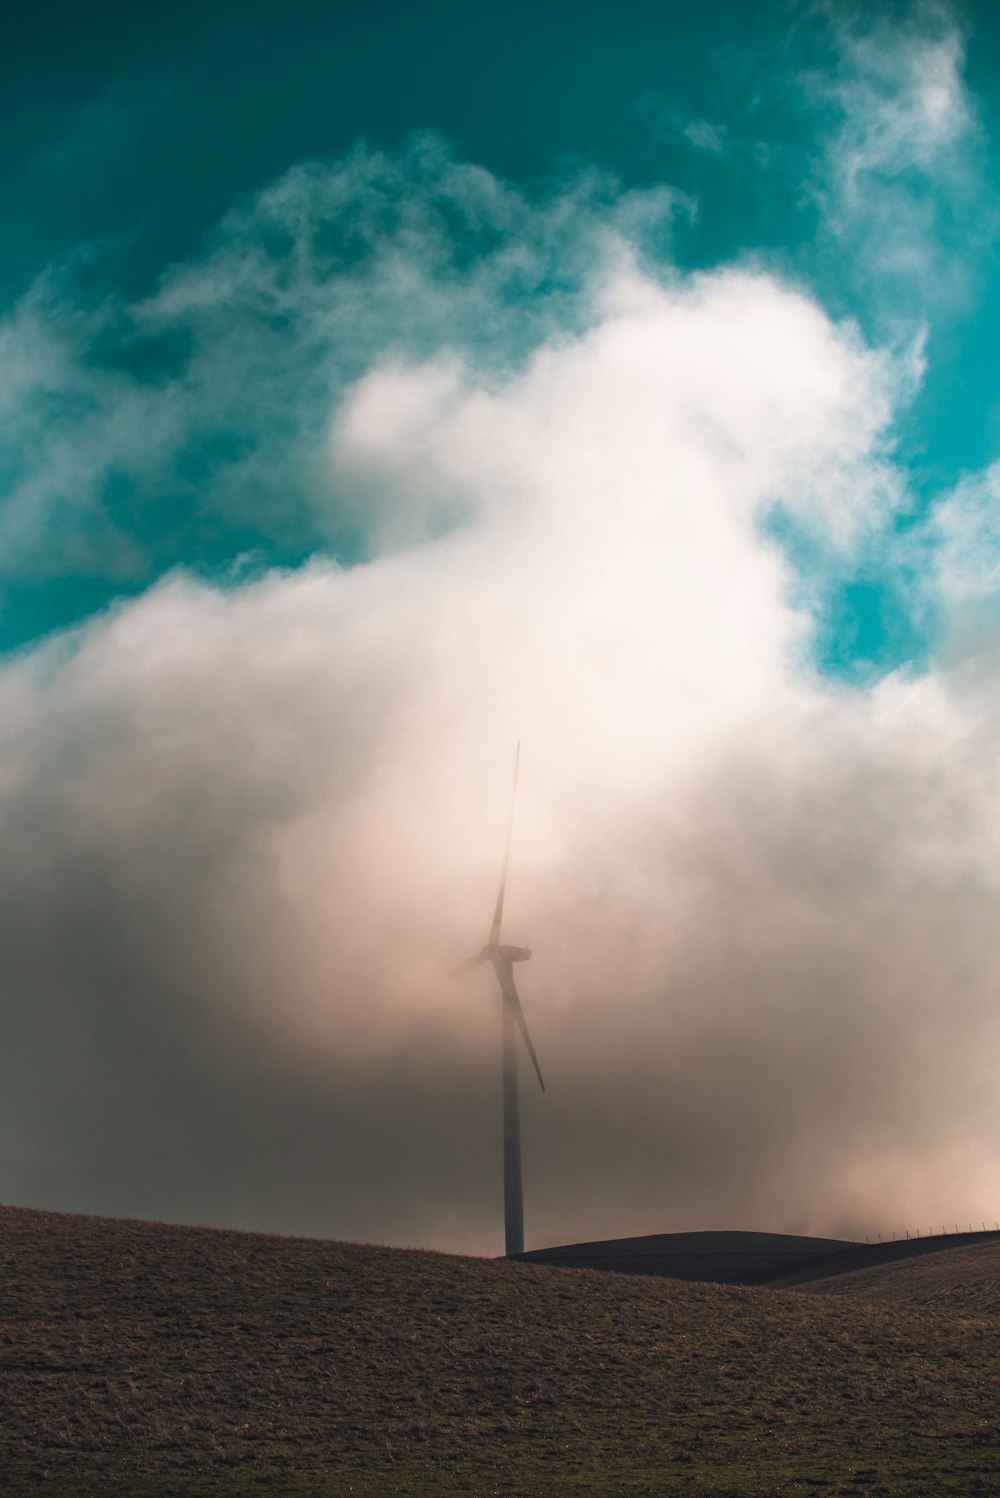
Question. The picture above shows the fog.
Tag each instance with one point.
(248, 829)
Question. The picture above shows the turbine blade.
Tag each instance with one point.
(498, 913)
(515, 1003)
(469, 965)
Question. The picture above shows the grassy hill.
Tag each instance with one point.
(142, 1359)
(963, 1282)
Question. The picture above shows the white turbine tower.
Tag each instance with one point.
(503, 958)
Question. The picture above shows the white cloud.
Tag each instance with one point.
(139, 431)
(793, 410)
(965, 531)
(904, 100)
(247, 833)
(900, 183)
(706, 136)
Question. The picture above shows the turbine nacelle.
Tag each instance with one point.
(492, 952)
(510, 954)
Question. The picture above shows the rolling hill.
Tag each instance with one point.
(716, 1258)
(777, 1259)
(145, 1359)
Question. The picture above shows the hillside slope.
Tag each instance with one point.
(962, 1280)
(143, 1359)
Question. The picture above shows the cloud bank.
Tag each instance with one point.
(248, 831)
(252, 817)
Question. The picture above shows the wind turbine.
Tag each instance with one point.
(503, 958)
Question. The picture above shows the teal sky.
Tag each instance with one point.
(131, 133)
(383, 384)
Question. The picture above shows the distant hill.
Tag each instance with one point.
(142, 1359)
(733, 1258)
(719, 1258)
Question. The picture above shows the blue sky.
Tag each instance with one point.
(381, 385)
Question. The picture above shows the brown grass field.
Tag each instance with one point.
(144, 1359)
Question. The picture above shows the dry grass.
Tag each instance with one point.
(144, 1359)
(962, 1282)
